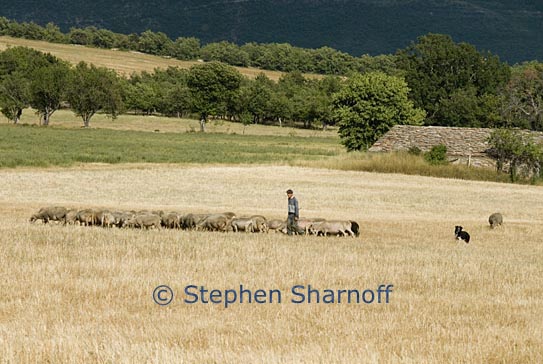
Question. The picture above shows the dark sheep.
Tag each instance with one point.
(51, 213)
(355, 228)
(496, 219)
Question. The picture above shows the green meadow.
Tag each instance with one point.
(56, 146)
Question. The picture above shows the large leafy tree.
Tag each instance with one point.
(91, 89)
(258, 96)
(212, 86)
(523, 97)
(154, 43)
(14, 95)
(186, 48)
(369, 105)
(516, 150)
(17, 67)
(441, 72)
(47, 89)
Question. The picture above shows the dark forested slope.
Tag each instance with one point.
(512, 29)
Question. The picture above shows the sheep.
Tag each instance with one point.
(461, 234)
(121, 217)
(145, 221)
(71, 216)
(260, 224)
(332, 227)
(304, 224)
(50, 213)
(355, 228)
(277, 225)
(108, 219)
(242, 224)
(190, 221)
(86, 217)
(214, 222)
(171, 220)
(495, 220)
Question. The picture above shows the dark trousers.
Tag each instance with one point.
(292, 225)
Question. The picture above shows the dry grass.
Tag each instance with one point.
(74, 294)
(124, 62)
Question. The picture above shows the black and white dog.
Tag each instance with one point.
(460, 234)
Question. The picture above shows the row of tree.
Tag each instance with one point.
(436, 82)
(271, 56)
(29, 78)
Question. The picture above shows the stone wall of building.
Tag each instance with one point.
(464, 145)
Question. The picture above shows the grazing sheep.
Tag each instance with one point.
(108, 219)
(277, 225)
(70, 216)
(191, 221)
(260, 224)
(332, 227)
(495, 220)
(145, 221)
(242, 224)
(355, 228)
(99, 217)
(171, 220)
(121, 217)
(214, 222)
(460, 234)
(50, 213)
(305, 224)
(86, 217)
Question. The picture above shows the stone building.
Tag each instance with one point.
(464, 145)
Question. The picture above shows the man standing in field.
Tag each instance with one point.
(293, 213)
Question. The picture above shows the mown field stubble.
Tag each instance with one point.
(84, 294)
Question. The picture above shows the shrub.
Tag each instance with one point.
(414, 150)
(437, 155)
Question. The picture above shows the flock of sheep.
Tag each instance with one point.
(227, 221)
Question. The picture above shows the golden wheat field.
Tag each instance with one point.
(73, 294)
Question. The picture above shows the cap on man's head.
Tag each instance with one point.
(289, 191)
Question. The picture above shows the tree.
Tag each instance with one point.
(17, 65)
(91, 89)
(369, 105)
(523, 97)
(259, 95)
(226, 52)
(186, 48)
(211, 86)
(329, 61)
(440, 72)
(47, 89)
(154, 43)
(516, 150)
(14, 95)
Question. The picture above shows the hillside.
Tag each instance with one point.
(511, 29)
(122, 62)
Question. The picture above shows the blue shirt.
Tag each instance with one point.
(293, 206)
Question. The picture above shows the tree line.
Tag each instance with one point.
(269, 56)
(434, 81)
(29, 78)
